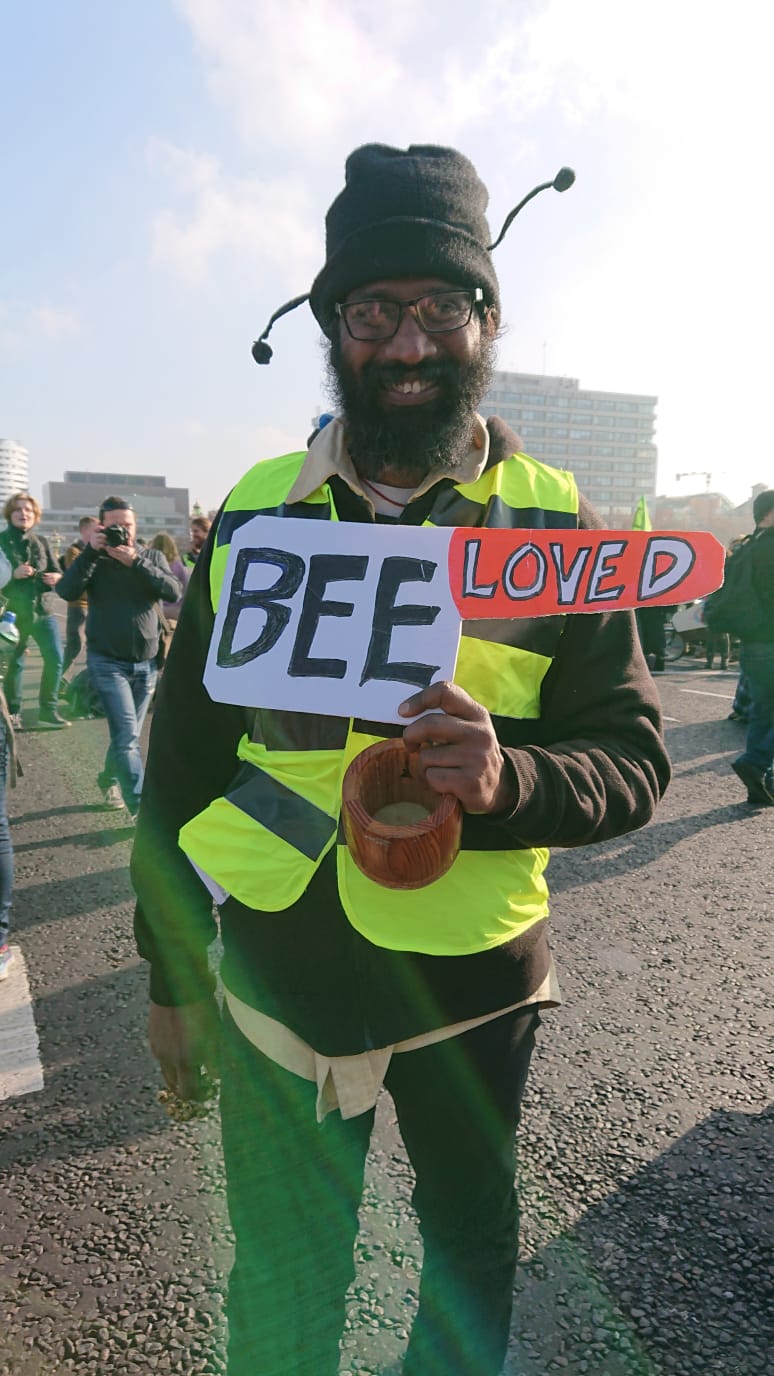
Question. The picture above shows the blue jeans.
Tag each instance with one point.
(125, 688)
(757, 662)
(6, 849)
(45, 632)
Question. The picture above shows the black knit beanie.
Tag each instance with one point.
(762, 505)
(416, 213)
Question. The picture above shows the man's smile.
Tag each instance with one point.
(410, 391)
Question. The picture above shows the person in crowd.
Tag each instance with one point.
(755, 766)
(8, 770)
(164, 542)
(200, 527)
(124, 586)
(336, 985)
(76, 611)
(740, 707)
(651, 626)
(31, 595)
(717, 644)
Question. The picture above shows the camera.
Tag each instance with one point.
(116, 535)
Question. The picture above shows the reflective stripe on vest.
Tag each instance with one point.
(264, 840)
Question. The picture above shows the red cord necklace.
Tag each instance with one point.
(383, 495)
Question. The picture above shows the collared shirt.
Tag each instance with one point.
(351, 1084)
(328, 455)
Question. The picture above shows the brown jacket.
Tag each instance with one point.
(72, 553)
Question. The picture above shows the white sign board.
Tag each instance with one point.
(335, 618)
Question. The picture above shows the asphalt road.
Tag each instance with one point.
(645, 1160)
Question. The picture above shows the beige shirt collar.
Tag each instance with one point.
(328, 455)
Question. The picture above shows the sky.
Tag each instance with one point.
(166, 167)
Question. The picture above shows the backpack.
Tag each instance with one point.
(736, 607)
(82, 700)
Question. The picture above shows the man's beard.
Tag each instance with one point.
(410, 440)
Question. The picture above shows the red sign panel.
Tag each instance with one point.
(513, 573)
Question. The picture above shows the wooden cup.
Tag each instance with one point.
(408, 855)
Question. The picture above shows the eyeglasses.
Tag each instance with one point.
(437, 312)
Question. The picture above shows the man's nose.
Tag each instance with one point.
(410, 344)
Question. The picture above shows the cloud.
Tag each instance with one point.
(297, 74)
(25, 324)
(261, 221)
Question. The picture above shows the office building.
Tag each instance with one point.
(14, 469)
(604, 438)
(156, 506)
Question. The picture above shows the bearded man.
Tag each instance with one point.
(550, 733)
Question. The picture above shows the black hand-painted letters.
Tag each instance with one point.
(292, 569)
(397, 570)
(324, 569)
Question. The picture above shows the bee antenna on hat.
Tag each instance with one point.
(261, 351)
(562, 182)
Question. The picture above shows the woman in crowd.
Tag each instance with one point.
(164, 542)
(30, 594)
(7, 775)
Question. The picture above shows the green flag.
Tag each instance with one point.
(642, 519)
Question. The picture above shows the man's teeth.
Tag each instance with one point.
(415, 386)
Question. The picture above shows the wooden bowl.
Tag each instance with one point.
(399, 852)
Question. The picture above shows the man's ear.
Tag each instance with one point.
(490, 321)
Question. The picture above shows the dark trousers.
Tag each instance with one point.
(74, 633)
(294, 1188)
(757, 662)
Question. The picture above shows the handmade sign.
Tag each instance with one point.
(330, 617)
(346, 619)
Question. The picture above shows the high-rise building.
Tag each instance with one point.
(14, 469)
(157, 507)
(604, 438)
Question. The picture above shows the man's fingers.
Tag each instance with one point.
(435, 729)
(186, 1081)
(444, 697)
(169, 1072)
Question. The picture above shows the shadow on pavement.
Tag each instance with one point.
(18, 818)
(694, 740)
(101, 1081)
(72, 896)
(90, 840)
(672, 1269)
(570, 869)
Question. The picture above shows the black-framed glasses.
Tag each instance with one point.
(437, 312)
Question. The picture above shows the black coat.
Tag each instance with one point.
(29, 597)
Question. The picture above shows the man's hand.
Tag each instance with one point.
(122, 554)
(23, 571)
(50, 579)
(184, 1040)
(457, 750)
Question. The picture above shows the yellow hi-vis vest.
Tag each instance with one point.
(263, 841)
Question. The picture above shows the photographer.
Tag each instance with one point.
(30, 595)
(124, 586)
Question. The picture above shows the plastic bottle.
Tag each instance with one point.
(9, 631)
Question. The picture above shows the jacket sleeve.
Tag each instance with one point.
(191, 760)
(76, 578)
(594, 765)
(50, 565)
(157, 574)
